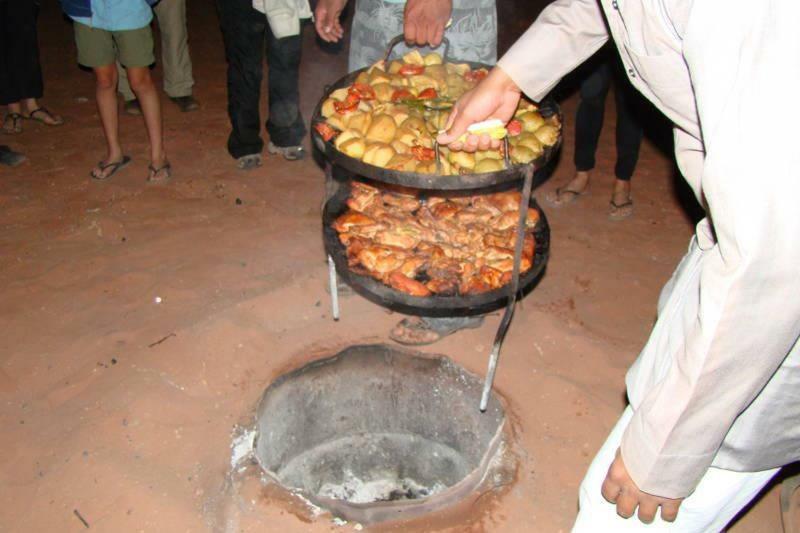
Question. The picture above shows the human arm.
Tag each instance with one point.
(748, 316)
(565, 34)
(326, 19)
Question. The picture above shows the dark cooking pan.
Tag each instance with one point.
(434, 305)
(513, 173)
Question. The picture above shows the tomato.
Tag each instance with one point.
(423, 154)
(411, 70)
(325, 130)
(476, 75)
(428, 94)
(514, 127)
(350, 104)
(362, 90)
(402, 94)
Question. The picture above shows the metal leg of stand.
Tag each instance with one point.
(512, 291)
(334, 288)
(330, 190)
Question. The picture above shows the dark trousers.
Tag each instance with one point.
(20, 72)
(245, 32)
(589, 120)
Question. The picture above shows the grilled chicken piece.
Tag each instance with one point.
(381, 260)
(506, 201)
(444, 210)
(403, 283)
(405, 202)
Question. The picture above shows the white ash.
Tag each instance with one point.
(356, 490)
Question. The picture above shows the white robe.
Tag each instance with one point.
(718, 382)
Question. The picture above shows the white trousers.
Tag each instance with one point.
(719, 496)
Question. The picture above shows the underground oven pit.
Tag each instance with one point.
(375, 434)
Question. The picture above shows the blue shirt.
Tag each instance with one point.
(118, 15)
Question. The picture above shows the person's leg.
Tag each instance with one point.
(243, 30)
(285, 123)
(629, 139)
(125, 87)
(106, 95)
(176, 62)
(588, 125)
(21, 77)
(719, 496)
(136, 54)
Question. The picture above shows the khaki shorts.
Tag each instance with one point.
(98, 48)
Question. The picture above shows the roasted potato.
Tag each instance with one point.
(382, 129)
(547, 134)
(488, 165)
(355, 147)
(378, 154)
(531, 120)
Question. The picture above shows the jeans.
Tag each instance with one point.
(589, 121)
(20, 72)
(244, 31)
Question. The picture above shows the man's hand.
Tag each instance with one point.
(326, 19)
(425, 20)
(619, 488)
(496, 96)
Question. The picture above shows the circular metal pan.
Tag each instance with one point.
(431, 306)
(426, 181)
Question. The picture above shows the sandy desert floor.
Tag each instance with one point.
(123, 408)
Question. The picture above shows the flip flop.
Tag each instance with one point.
(563, 196)
(418, 331)
(12, 123)
(166, 169)
(44, 115)
(620, 211)
(119, 165)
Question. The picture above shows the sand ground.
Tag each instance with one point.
(123, 408)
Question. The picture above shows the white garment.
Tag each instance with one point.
(284, 16)
(719, 497)
(718, 383)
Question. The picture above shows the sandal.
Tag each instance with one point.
(418, 331)
(620, 211)
(165, 170)
(45, 117)
(102, 167)
(12, 123)
(563, 196)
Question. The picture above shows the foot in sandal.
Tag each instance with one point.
(159, 172)
(45, 116)
(621, 204)
(418, 331)
(576, 187)
(105, 169)
(12, 123)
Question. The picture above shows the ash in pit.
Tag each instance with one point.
(387, 488)
(377, 426)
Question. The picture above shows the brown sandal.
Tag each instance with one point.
(44, 114)
(12, 123)
(165, 169)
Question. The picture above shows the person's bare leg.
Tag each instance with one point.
(16, 107)
(106, 94)
(143, 87)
